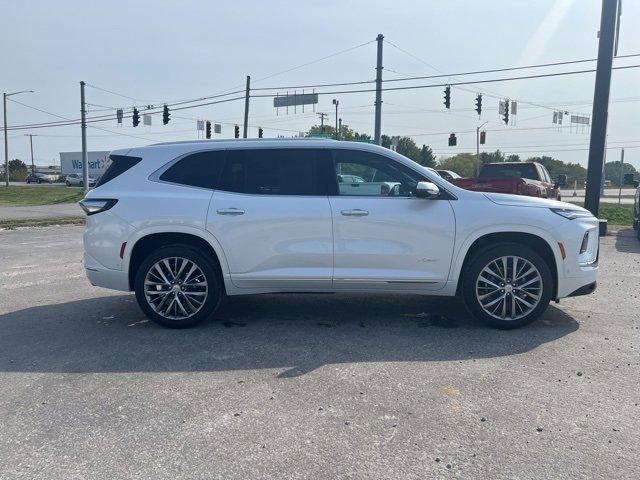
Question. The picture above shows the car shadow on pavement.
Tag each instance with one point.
(627, 241)
(292, 333)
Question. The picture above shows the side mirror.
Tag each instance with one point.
(561, 180)
(426, 190)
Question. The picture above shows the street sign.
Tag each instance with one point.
(200, 125)
(217, 128)
(146, 119)
(295, 99)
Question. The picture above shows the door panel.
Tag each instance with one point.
(273, 219)
(402, 243)
(384, 237)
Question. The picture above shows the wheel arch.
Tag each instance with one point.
(538, 241)
(145, 242)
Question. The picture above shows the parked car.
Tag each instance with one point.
(76, 180)
(448, 175)
(183, 224)
(518, 178)
(38, 178)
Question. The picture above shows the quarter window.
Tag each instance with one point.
(200, 169)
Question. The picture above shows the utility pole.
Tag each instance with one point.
(608, 20)
(621, 177)
(322, 115)
(378, 104)
(5, 95)
(33, 166)
(6, 142)
(246, 107)
(478, 148)
(339, 128)
(336, 102)
(83, 128)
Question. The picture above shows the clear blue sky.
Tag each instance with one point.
(165, 51)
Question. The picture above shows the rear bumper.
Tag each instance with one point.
(100, 276)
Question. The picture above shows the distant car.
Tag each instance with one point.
(75, 180)
(38, 178)
(517, 178)
(448, 175)
(350, 179)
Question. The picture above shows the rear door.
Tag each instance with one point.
(383, 236)
(271, 214)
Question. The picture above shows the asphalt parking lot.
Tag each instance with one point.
(311, 386)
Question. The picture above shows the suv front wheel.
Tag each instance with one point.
(507, 286)
(177, 286)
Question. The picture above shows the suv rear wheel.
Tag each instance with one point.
(507, 286)
(178, 286)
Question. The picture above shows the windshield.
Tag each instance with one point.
(525, 170)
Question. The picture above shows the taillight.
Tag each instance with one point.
(96, 205)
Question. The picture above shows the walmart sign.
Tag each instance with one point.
(71, 162)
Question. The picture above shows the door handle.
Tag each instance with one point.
(356, 212)
(230, 211)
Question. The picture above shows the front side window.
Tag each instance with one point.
(360, 173)
(271, 171)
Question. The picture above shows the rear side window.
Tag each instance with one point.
(291, 171)
(119, 165)
(495, 170)
(200, 169)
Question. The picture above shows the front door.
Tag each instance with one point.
(383, 236)
(272, 216)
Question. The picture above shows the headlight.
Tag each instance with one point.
(572, 213)
(97, 205)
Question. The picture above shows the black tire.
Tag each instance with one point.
(81, 184)
(67, 184)
(210, 270)
(478, 262)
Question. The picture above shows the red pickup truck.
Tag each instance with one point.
(517, 178)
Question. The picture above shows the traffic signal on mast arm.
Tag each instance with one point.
(483, 137)
(479, 104)
(208, 129)
(505, 117)
(259, 132)
(453, 141)
(136, 117)
(165, 115)
(237, 131)
(447, 97)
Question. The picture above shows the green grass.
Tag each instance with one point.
(616, 214)
(40, 222)
(14, 196)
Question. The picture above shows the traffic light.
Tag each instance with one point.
(237, 131)
(483, 137)
(447, 97)
(165, 115)
(479, 104)
(453, 141)
(208, 129)
(259, 132)
(505, 117)
(136, 117)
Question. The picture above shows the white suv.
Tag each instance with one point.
(184, 224)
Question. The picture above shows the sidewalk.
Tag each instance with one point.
(41, 211)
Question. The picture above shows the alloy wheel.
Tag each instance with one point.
(175, 288)
(509, 288)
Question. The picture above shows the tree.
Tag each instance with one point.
(345, 133)
(486, 157)
(17, 170)
(427, 158)
(513, 158)
(464, 164)
(612, 171)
